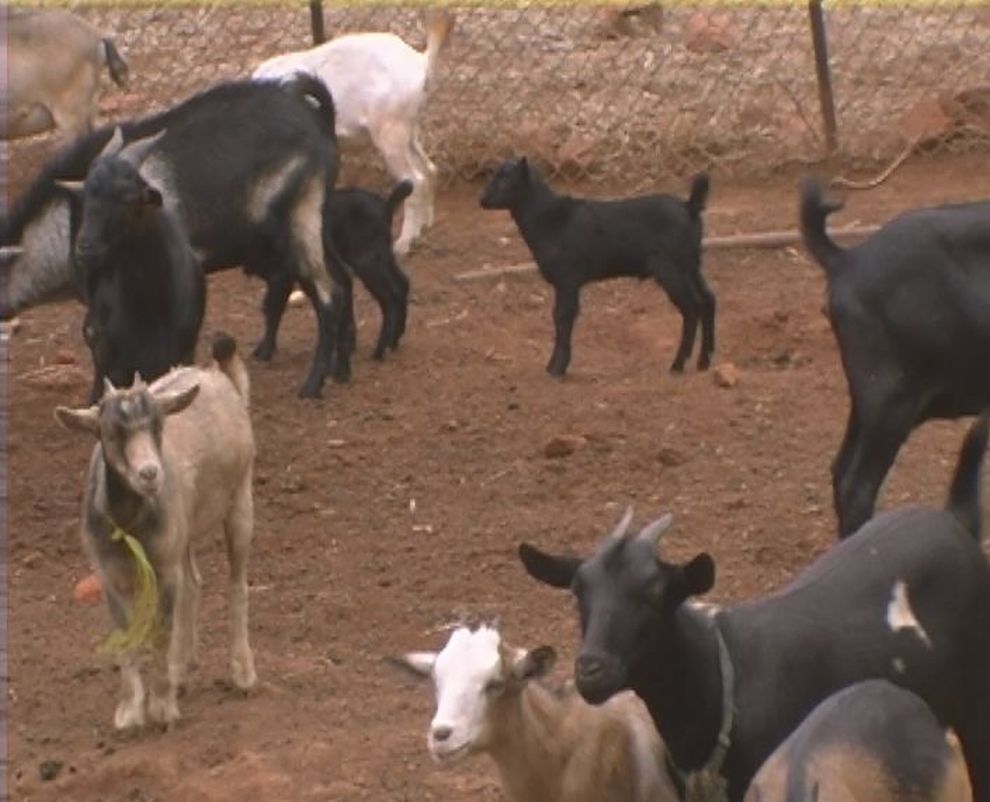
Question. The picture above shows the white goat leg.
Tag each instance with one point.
(238, 530)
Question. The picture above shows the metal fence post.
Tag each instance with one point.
(316, 21)
(825, 97)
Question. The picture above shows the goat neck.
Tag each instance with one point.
(528, 751)
(533, 207)
(679, 679)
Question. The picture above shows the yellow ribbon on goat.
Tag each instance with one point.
(143, 626)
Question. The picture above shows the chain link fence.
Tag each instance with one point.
(630, 92)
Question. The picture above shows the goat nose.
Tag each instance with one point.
(148, 472)
(442, 733)
(589, 667)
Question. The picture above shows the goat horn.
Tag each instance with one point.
(651, 533)
(8, 252)
(108, 386)
(139, 150)
(75, 187)
(623, 525)
(112, 148)
(138, 382)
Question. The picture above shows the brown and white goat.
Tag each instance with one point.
(549, 746)
(174, 460)
(54, 60)
(871, 742)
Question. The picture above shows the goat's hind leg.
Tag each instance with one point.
(706, 301)
(238, 533)
(277, 292)
(682, 295)
(312, 387)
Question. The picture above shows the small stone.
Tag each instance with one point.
(297, 298)
(64, 357)
(563, 445)
(726, 375)
(31, 560)
(671, 457)
(48, 770)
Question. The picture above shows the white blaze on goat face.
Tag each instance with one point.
(463, 676)
(901, 616)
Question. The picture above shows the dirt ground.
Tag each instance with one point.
(395, 504)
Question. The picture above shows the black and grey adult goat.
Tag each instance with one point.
(907, 599)
(244, 165)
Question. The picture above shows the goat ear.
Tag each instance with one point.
(80, 420)
(524, 167)
(172, 403)
(698, 575)
(418, 664)
(152, 197)
(535, 663)
(558, 572)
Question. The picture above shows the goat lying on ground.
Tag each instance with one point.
(144, 288)
(244, 165)
(549, 746)
(54, 60)
(907, 599)
(910, 309)
(166, 486)
(379, 83)
(872, 742)
(576, 241)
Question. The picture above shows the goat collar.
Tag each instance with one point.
(707, 783)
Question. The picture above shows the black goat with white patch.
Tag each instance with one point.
(906, 599)
(871, 742)
(245, 165)
(577, 240)
(910, 309)
(144, 288)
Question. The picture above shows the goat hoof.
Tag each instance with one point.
(704, 363)
(243, 674)
(128, 716)
(675, 368)
(556, 371)
(264, 352)
(163, 710)
(309, 390)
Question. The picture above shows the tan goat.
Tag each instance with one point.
(174, 461)
(872, 742)
(549, 746)
(54, 60)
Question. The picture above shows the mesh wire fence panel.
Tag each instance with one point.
(634, 92)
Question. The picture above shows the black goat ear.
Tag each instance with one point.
(524, 167)
(152, 197)
(698, 575)
(558, 572)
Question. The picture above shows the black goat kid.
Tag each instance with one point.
(576, 241)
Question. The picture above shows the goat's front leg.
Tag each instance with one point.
(130, 709)
(565, 312)
(238, 532)
(277, 292)
(163, 706)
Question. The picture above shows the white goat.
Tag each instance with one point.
(164, 483)
(54, 60)
(549, 746)
(379, 83)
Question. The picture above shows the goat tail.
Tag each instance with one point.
(699, 195)
(964, 494)
(815, 209)
(308, 87)
(116, 65)
(438, 23)
(229, 361)
(399, 193)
